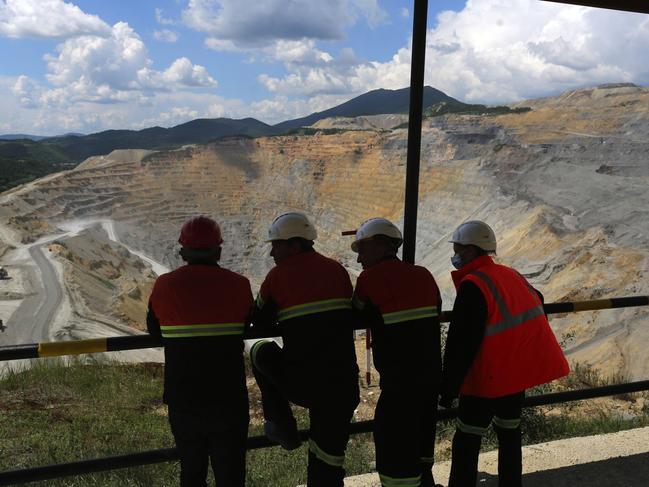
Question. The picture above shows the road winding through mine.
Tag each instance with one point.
(31, 321)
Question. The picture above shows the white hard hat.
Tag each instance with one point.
(290, 225)
(475, 232)
(376, 226)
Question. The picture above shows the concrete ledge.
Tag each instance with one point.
(614, 459)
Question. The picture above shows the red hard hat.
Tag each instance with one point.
(200, 232)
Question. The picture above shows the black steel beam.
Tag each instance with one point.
(639, 6)
(417, 65)
(113, 344)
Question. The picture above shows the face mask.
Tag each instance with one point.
(456, 260)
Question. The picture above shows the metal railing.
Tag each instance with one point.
(75, 347)
(120, 343)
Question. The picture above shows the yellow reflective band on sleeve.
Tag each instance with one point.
(333, 460)
(55, 349)
(508, 424)
(314, 307)
(196, 330)
(467, 428)
(409, 315)
(387, 481)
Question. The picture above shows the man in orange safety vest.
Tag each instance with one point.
(499, 344)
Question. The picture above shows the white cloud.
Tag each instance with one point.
(47, 18)
(303, 52)
(271, 20)
(161, 108)
(27, 91)
(113, 69)
(405, 13)
(183, 73)
(281, 107)
(165, 35)
(160, 18)
(505, 50)
(493, 51)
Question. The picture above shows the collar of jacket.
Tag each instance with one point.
(389, 258)
(297, 258)
(475, 264)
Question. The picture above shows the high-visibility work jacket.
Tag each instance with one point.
(309, 295)
(201, 301)
(519, 349)
(400, 303)
(200, 313)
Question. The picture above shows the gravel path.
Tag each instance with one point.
(614, 459)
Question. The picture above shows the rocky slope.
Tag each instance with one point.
(563, 185)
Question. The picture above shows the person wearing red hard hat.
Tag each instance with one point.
(199, 312)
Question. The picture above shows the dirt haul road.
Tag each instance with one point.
(30, 322)
(40, 314)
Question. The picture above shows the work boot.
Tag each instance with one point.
(285, 433)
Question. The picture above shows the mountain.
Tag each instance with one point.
(24, 160)
(21, 136)
(377, 102)
(197, 131)
(564, 186)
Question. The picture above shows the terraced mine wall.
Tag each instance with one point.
(564, 186)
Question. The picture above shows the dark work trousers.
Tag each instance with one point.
(200, 436)
(474, 416)
(404, 436)
(331, 405)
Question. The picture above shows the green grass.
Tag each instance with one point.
(53, 414)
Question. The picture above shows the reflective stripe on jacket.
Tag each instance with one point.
(519, 349)
(400, 302)
(200, 310)
(309, 295)
(201, 301)
(304, 284)
(402, 292)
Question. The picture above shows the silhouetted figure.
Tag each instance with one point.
(199, 311)
(308, 298)
(400, 303)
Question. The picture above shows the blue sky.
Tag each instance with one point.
(86, 66)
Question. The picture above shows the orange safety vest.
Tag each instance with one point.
(519, 349)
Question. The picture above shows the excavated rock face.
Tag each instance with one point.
(564, 187)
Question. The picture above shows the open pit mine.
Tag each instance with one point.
(564, 186)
